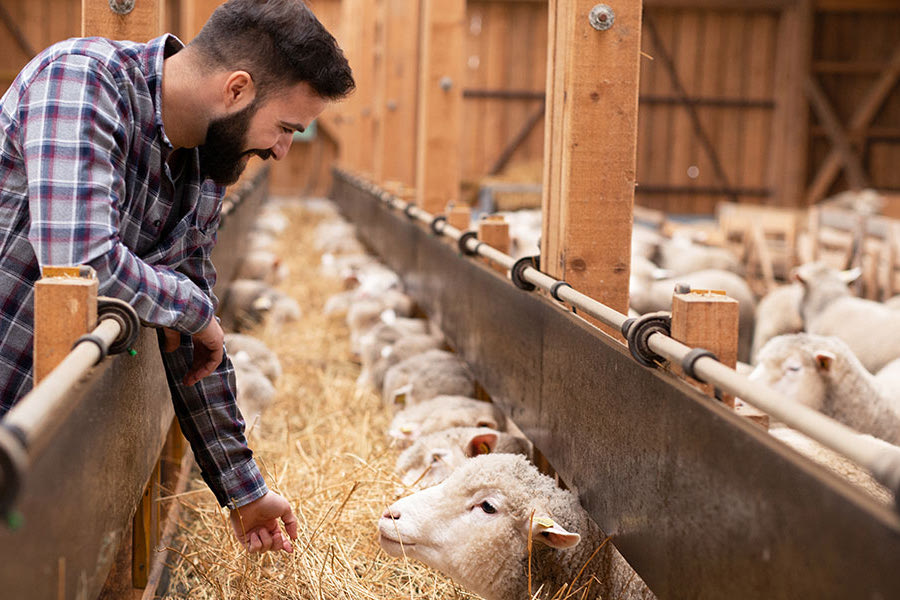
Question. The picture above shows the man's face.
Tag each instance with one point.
(263, 129)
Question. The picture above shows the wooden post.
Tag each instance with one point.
(144, 22)
(459, 216)
(441, 79)
(364, 74)
(65, 308)
(194, 14)
(493, 230)
(589, 150)
(146, 531)
(397, 88)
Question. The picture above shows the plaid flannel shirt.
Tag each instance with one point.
(85, 179)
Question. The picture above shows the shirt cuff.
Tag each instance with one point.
(242, 485)
(197, 315)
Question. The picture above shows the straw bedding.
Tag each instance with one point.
(323, 446)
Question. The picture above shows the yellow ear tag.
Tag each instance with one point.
(483, 448)
(406, 429)
(400, 399)
(545, 522)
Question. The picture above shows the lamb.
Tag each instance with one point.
(433, 457)
(363, 319)
(337, 237)
(777, 313)
(823, 373)
(254, 391)
(681, 256)
(870, 329)
(368, 310)
(476, 525)
(263, 265)
(650, 296)
(260, 354)
(246, 302)
(405, 347)
(444, 412)
(424, 376)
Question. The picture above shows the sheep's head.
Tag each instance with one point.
(799, 366)
(475, 526)
(432, 458)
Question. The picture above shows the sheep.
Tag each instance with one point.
(893, 303)
(364, 317)
(871, 329)
(681, 256)
(260, 354)
(823, 373)
(777, 313)
(405, 347)
(321, 207)
(432, 457)
(475, 527)
(838, 464)
(444, 412)
(650, 296)
(271, 221)
(263, 265)
(367, 310)
(424, 376)
(246, 302)
(645, 242)
(254, 391)
(337, 237)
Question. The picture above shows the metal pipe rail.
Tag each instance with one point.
(29, 426)
(880, 459)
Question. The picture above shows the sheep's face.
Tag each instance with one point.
(794, 373)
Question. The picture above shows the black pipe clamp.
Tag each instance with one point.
(517, 273)
(463, 243)
(638, 332)
(687, 363)
(437, 221)
(125, 315)
(407, 210)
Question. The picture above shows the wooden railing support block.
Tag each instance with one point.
(459, 216)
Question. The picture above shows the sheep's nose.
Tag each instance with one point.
(391, 513)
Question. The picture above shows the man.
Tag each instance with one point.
(115, 155)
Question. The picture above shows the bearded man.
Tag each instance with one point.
(115, 155)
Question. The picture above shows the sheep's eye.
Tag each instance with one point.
(488, 507)
(435, 458)
(793, 368)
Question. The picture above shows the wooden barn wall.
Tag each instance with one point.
(850, 51)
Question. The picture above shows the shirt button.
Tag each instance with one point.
(157, 223)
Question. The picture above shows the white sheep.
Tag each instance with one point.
(778, 313)
(263, 265)
(651, 296)
(424, 376)
(321, 207)
(254, 392)
(433, 457)
(337, 237)
(871, 329)
(893, 303)
(682, 256)
(363, 319)
(476, 525)
(260, 354)
(823, 373)
(247, 302)
(405, 347)
(444, 412)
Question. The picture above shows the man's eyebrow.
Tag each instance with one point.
(294, 126)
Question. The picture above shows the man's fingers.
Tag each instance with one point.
(255, 542)
(290, 522)
(208, 365)
(173, 339)
(266, 538)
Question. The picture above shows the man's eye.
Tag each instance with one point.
(287, 130)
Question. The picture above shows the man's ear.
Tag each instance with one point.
(546, 531)
(239, 90)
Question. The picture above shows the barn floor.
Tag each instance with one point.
(323, 446)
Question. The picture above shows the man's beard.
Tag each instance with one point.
(222, 155)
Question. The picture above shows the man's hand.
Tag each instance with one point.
(209, 348)
(256, 524)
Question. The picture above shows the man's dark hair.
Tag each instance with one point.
(279, 42)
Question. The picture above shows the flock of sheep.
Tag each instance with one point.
(478, 510)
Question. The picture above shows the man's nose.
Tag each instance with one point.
(281, 147)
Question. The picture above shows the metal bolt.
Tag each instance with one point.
(392, 105)
(682, 288)
(602, 17)
(446, 83)
(121, 7)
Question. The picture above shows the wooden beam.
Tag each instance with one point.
(459, 216)
(395, 135)
(856, 175)
(590, 147)
(65, 308)
(143, 23)
(146, 531)
(533, 119)
(861, 118)
(790, 122)
(194, 14)
(441, 79)
(364, 74)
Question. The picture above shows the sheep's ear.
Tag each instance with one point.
(398, 398)
(851, 275)
(824, 360)
(550, 533)
(798, 275)
(483, 443)
(262, 303)
(659, 274)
